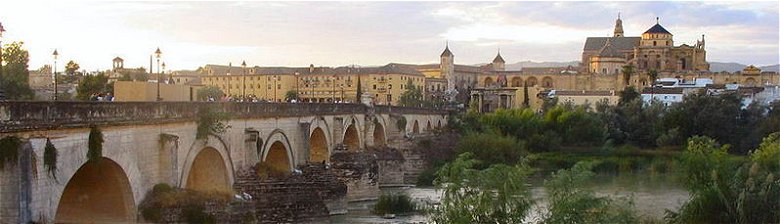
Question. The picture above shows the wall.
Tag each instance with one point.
(147, 91)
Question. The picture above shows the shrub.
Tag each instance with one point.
(9, 150)
(394, 204)
(50, 158)
(95, 144)
(572, 203)
(492, 148)
(210, 122)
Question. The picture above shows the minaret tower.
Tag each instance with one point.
(447, 66)
(618, 27)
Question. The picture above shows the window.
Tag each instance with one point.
(278, 86)
(390, 86)
(616, 71)
(603, 71)
(655, 44)
(374, 86)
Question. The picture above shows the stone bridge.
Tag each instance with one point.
(146, 143)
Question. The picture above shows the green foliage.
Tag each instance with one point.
(498, 194)
(209, 91)
(620, 160)
(71, 67)
(653, 75)
(628, 71)
(290, 95)
(718, 117)
(394, 204)
(412, 97)
(570, 202)
(401, 123)
(728, 191)
(629, 94)
(210, 121)
(92, 84)
(95, 144)
(164, 199)
(768, 153)
(492, 148)
(50, 158)
(9, 150)
(15, 76)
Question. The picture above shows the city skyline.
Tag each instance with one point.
(370, 33)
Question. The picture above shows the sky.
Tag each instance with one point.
(192, 34)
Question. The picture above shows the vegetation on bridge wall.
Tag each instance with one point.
(95, 144)
(210, 121)
(9, 150)
(50, 158)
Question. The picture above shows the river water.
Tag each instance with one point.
(651, 193)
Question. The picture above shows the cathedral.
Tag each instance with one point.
(653, 50)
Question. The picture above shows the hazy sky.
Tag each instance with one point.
(191, 34)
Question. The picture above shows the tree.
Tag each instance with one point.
(498, 194)
(14, 73)
(628, 70)
(570, 202)
(92, 84)
(628, 94)
(71, 68)
(209, 92)
(412, 97)
(653, 75)
(290, 95)
(526, 100)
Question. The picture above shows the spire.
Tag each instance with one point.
(498, 58)
(657, 20)
(618, 27)
(447, 52)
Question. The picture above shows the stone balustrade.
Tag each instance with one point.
(17, 116)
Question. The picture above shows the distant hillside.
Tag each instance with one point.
(733, 67)
(532, 64)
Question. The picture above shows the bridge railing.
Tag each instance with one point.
(41, 115)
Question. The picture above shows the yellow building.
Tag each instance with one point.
(315, 84)
(147, 91)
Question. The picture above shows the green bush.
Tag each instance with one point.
(725, 190)
(95, 144)
(570, 202)
(492, 148)
(164, 199)
(394, 204)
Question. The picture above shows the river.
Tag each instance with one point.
(652, 194)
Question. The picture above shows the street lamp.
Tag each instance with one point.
(276, 78)
(163, 73)
(230, 65)
(333, 93)
(2, 93)
(243, 81)
(297, 92)
(158, 54)
(55, 55)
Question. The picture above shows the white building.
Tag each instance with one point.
(667, 96)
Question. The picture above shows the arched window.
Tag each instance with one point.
(654, 43)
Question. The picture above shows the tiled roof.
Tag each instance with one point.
(584, 93)
(619, 43)
(386, 69)
(657, 28)
(609, 50)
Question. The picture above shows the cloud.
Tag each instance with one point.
(372, 33)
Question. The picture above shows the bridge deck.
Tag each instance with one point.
(18, 116)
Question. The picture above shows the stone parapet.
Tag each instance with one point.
(18, 116)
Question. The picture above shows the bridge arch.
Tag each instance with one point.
(428, 126)
(416, 127)
(380, 136)
(208, 166)
(277, 153)
(438, 125)
(352, 135)
(208, 172)
(320, 140)
(99, 191)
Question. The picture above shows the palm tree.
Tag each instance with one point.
(628, 70)
(653, 76)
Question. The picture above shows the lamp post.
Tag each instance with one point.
(163, 73)
(229, 80)
(56, 55)
(2, 93)
(333, 92)
(276, 78)
(297, 92)
(158, 54)
(243, 81)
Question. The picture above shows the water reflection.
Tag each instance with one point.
(652, 194)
